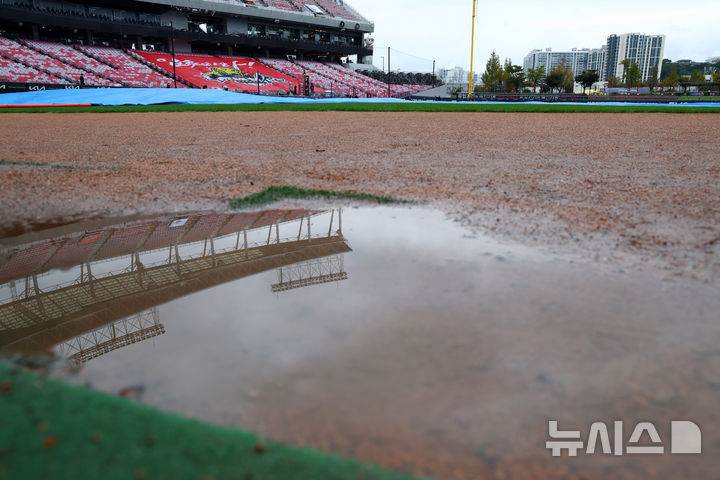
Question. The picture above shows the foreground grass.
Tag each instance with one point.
(276, 193)
(57, 166)
(52, 430)
(376, 107)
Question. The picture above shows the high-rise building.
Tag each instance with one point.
(645, 50)
(596, 60)
(576, 60)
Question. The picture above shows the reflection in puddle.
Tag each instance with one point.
(424, 349)
(105, 297)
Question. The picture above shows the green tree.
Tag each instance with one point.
(697, 76)
(633, 75)
(652, 80)
(536, 76)
(587, 79)
(507, 67)
(716, 77)
(514, 77)
(568, 77)
(672, 80)
(614, 82)
(555, 79)
(493, 72)
(626, 66)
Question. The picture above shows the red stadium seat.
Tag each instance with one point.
(22, 54)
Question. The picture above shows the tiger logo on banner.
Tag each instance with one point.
(225, 74)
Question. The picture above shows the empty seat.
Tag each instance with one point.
(134, 73)
(28, 56)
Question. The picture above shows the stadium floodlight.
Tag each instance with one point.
(472, 50)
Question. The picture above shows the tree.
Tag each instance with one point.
(652, 80)
(626, 66)
(614, 82)
(716, 77)
(535, 76)
(514, 77)
(697, 76)
(633, 75)
(568, 77)
(672, 80)
(493, 72)
(587, 79)
(555, 79)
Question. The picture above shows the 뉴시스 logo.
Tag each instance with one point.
(685, 438)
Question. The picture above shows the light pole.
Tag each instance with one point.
(172, 47)
(388, 77)
(472, 50)
(383, 57)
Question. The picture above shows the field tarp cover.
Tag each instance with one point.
(185, 96)
(159, 96)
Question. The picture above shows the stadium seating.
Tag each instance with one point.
(320, 82)
(76, 58)
(357, 83)
(18, 73)
(331, 8)
(23, 54)
(408, 89)
(235, 73)
(281, 5)
(375, 87)
(133, 72)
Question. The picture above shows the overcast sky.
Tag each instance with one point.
(440, 29)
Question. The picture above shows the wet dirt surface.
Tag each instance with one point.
(393, 335)
(631, 189)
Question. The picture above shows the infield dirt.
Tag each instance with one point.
(641, 189)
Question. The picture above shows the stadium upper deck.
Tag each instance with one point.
(267, 28)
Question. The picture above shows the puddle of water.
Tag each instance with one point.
(388, 334)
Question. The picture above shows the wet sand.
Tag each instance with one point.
(638, 188)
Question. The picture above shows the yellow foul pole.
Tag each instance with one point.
(472, 51)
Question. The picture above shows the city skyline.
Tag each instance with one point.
(607, 60)
(441, 31)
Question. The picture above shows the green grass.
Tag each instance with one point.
(275, 193)
(375, 107)
(58, 166)
(707, 99)
(49, 429)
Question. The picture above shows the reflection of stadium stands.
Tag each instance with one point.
(83, 247)
(316, 272)
(122, 270)
(112, 336)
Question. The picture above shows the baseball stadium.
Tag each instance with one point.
(231, 247)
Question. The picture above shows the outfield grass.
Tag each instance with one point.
(53, 430)
(376, 107)
(276, 193)
(707, 99)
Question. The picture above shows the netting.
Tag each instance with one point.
(406, 62)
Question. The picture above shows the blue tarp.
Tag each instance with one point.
(188, 96)
(158, 96)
